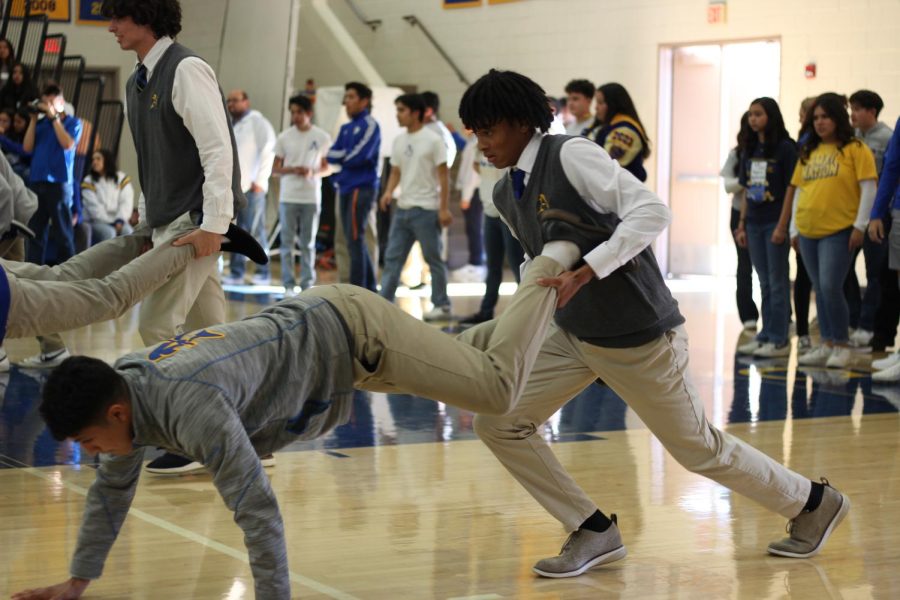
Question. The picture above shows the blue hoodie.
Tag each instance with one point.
(4, 303)
(356, 151)
(888, 196)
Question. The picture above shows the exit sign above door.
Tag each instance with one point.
(716, 12)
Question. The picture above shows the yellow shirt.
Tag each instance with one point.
(829, 187)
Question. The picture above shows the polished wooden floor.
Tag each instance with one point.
(404, 503)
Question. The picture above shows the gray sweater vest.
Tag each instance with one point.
(623, 310)
(169, 166)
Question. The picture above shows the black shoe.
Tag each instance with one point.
(241, 242)
(172, 464)
(561, 225)
(475, 319)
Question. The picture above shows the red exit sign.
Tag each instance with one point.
(716, 13)
(52, 45)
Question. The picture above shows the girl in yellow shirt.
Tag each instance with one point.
(835, 181)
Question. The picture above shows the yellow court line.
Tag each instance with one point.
(200, 539)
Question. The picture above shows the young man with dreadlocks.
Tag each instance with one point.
(616, 320)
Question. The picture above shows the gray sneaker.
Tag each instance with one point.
(584, 549)
(809, 531)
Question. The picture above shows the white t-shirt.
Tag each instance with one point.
(418, 156)
(302, 149)
(490, 175)
(576, 127)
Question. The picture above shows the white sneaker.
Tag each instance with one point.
(861, 338)
(261, 280)
(839, 359)
(438, 313)
(750, 347)
(889, 375)
(45, 361)
(770, 350)
(750, 325)
(232, 280)
(4, 362)
(887, 362)
(804, 343)
(267, 461)
(816, 357)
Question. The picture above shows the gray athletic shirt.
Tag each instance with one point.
(223, 396)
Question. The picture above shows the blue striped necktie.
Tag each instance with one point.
(141, 78)
(518, 181)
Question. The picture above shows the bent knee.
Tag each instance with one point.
(496, 427)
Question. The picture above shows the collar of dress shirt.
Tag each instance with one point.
(529, 154)
(156, 52)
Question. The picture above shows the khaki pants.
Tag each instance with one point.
(192, 299)
(100, 283)
(653, 380)
(395, 352)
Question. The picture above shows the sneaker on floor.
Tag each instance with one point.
(887, 362)
(261, 280)
(438, 313)
(810, 530)
(861, 338)
(750, 347)
(804, 343)
(584, 549)
(889, 375)
(232, 280)
(840, 358)
(475, 319)
(749, 325)
(816, 357)
(4, 361)
(267, 461)
(770, 350)
(45, 361)
(172, 464)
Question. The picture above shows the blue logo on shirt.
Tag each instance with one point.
(187, 340)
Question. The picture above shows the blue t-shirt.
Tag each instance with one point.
(50, 163)
(766, 180)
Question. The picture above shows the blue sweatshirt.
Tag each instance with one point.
(888, 196)
(356, 151)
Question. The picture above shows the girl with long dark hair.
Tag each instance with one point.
(766, 167)
(107, 198)
(618, 128)
(730, 174)
(836, 189)
(19, 89)
(7, 60)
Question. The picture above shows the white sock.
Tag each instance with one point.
(563, 252)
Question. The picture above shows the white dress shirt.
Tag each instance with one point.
(197, 99)
(255, 140)
(607, 188)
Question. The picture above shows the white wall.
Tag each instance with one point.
(854, 43)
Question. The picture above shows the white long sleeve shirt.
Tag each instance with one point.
(197, 99)
(107, 200)
(255, 138)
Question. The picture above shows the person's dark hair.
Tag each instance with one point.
(775, 131)
(867, 99)
(163, 17)
(26, 75)
(619, 102)
(556, 105)
(581, 86)
(414, 102)
(77, 394)
(302, 101)
(744, 136)
(51, 89)
(835, 107)
(432, 101)
(505, 96)
(110, 168)
(11, 60)
(362, 90)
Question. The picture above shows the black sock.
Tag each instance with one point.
(596, 522)
(815, 497)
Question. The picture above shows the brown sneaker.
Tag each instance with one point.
(584, 549)
(809, 530)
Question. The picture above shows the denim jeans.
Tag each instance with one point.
(473, 217)
(827, 261)
(864, 304)
(409, 225)
(499, 243)
(771, 264)
(355, 207)
(253, 219)
(53, 217)
(305, 218)
(100, 231)
(747, 310)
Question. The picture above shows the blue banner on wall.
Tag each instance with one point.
(461, 3)
(89, 13)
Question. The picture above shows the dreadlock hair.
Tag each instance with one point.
(775, 131)
(835, 107)
(743, 140)
(619, 102)
(505, 96)
(77, 394)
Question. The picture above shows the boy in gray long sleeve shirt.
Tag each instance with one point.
(227, 394)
